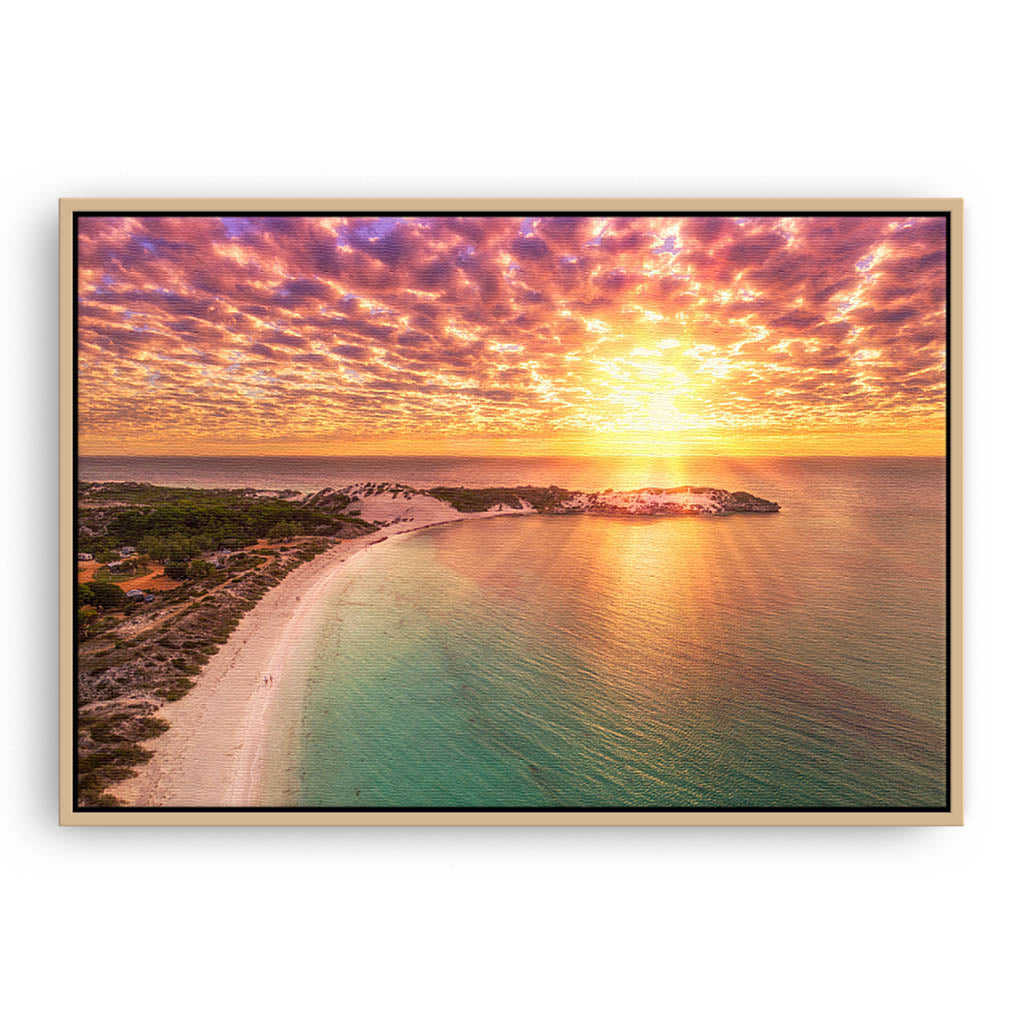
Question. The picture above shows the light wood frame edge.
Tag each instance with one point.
(954, 816)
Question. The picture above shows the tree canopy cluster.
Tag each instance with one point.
(100, 594)
(481, 499)
(186, 527)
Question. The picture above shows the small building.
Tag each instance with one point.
(126, 551)
(135, 595)
(84, 556)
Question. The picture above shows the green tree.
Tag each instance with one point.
(87, 620)
(176, 569)
(100, 594)
(198, 569)
(155, 547)
(284, 530)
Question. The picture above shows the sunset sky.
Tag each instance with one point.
(512, 335)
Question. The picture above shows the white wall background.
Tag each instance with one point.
(200, 99)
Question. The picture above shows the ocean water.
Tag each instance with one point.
(790, 660)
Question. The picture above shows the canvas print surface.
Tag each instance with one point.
(511, 511)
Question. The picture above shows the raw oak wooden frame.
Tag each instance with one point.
(954, 815)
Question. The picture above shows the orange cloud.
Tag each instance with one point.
(483, 334)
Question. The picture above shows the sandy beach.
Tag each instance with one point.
(215, 753)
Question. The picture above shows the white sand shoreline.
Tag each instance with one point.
(215, 752)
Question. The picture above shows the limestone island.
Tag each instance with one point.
(379, 503)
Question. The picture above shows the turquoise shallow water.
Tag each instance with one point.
(778, 661)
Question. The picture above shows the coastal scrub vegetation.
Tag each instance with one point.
(173, 571)
(481, 499)
(229, 520)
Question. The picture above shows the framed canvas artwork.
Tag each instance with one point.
(511, 511)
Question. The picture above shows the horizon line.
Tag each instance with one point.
(444, 455)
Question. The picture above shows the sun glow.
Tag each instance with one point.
(546, 335)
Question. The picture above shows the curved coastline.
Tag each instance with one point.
(215, 753)
(233, 738)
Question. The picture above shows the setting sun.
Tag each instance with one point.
(540, 335)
